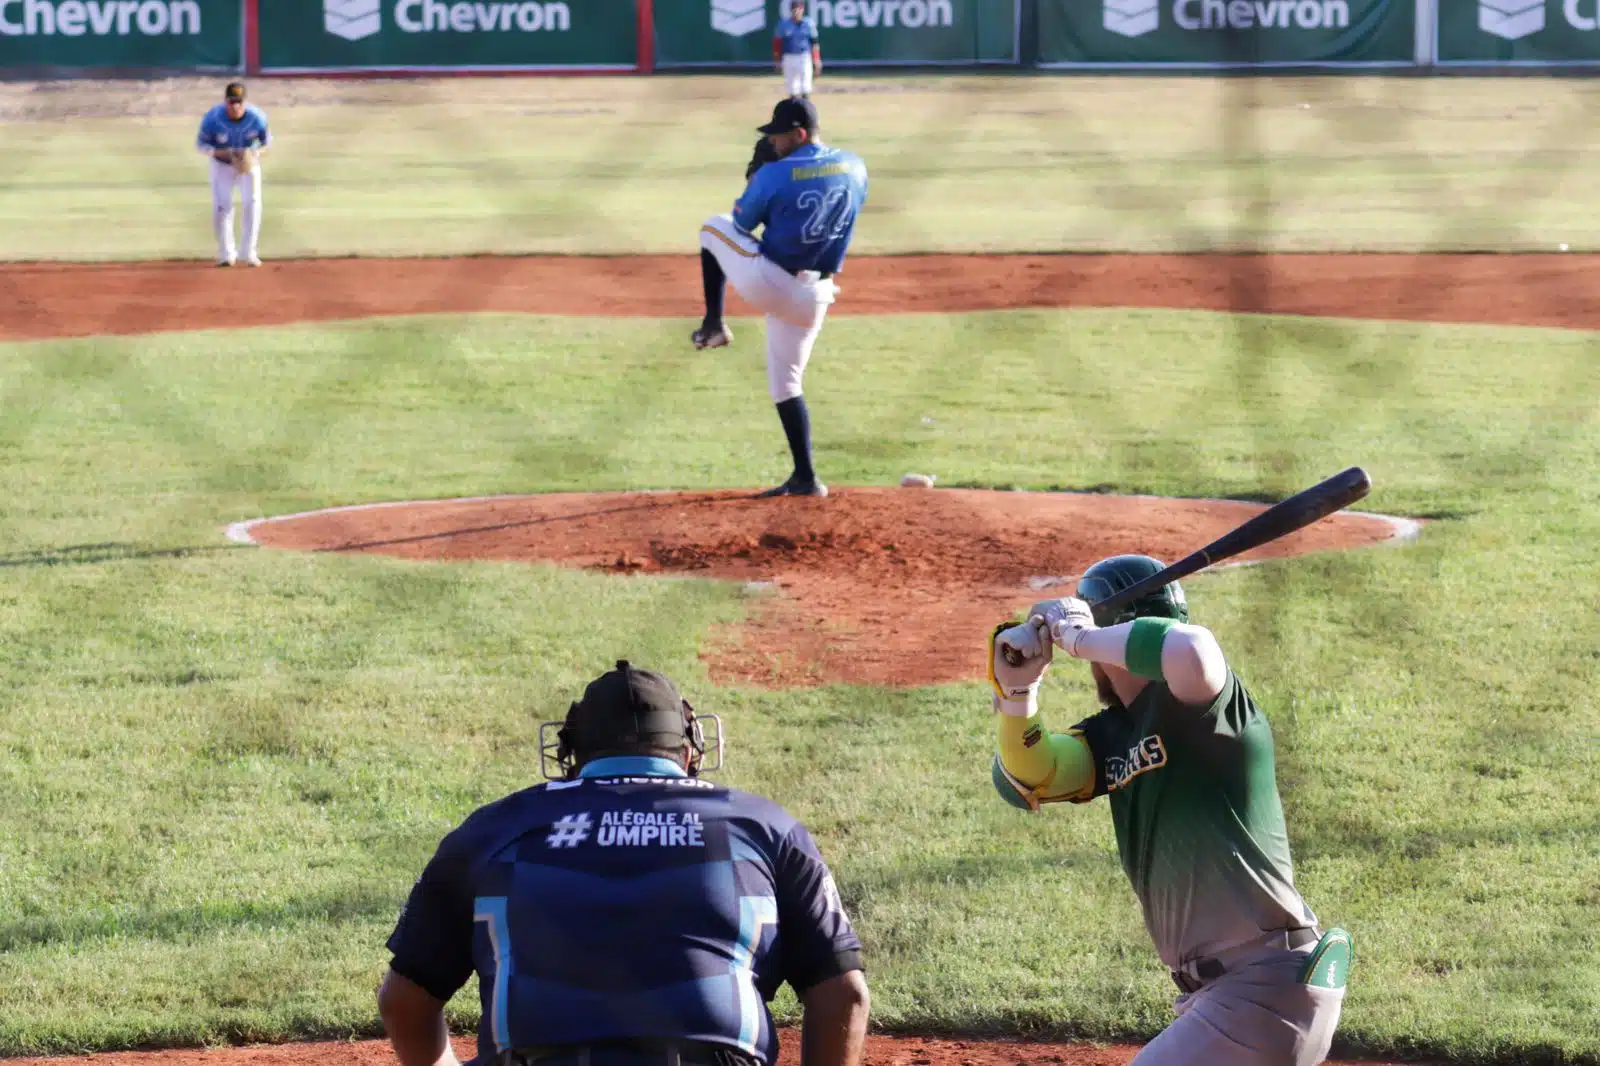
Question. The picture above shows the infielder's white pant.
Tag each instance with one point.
(223, 180)
(795, 304)
(1257, 1014)
(797, 73)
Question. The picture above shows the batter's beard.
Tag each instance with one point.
(1108, 692)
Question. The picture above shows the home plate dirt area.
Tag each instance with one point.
(822, 572)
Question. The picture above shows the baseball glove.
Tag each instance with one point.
(763, 155)
(223, 155)
(244, 161)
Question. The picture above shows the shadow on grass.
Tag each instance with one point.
(668, 501)
(108, 552)
(329, 908)
(973, 871)
(1361, 834)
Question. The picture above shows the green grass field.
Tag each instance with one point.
(221, 768)
(973, 163)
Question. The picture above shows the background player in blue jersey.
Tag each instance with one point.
(628, 913)
(233, 134)
(805, 200)
(796, 50)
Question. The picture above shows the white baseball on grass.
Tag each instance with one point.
(917, 481)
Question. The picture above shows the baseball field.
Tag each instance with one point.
(228, 746)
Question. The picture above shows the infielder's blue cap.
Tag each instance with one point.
(792, 114)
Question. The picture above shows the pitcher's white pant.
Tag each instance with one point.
(223, 180)
(797, 73)
(1257, 1014)
(795, 304)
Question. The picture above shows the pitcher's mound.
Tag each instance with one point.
(880, 586)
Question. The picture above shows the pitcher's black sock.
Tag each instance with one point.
(716, 287)
(797, 427)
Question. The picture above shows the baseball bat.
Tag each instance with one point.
(1279, 520)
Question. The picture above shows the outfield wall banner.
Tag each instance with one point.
(307, 36)
(204, 35)
(706, 33)
(1522, 33)
(1218, 34)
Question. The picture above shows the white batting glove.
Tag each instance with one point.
(1066, 620)
(1016, 685)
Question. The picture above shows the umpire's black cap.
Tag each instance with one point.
(627, 708)
(795, 113)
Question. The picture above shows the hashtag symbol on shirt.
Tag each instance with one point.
(569, 831)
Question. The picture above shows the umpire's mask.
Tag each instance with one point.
(628, 711)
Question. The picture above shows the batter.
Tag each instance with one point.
(233, 134)
(805, 196)
(1186, 758)
(796, 50)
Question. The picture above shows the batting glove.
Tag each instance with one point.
(1066, 620)
(1016, 688)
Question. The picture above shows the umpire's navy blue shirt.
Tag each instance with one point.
(636, 902)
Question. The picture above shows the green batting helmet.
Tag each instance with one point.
(1110, 576)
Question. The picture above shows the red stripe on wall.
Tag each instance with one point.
(647, 36)
(252, 36)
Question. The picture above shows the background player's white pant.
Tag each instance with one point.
(797, 73)
(223, 180)
(1257, 1014)
(795, 305)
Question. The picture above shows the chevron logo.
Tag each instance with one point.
(1510, 20)
(738, 18)
(1131, 18)
(352, 20)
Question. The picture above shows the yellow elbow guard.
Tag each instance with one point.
(1071, 776)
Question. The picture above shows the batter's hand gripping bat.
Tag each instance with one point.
(1279, 520)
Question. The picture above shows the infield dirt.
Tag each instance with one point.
(78, 300)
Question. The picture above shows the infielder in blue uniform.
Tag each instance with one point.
(628, 913)
(233, 134)
(805, 200)
(796, 50)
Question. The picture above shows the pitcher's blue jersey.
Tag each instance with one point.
(796, 37)
(808, 202)
(218, 131)
(622, 905)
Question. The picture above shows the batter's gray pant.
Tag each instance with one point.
(1256, 1014)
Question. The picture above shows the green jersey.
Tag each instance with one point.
(1194, 797)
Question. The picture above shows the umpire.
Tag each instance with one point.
(628, 913)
